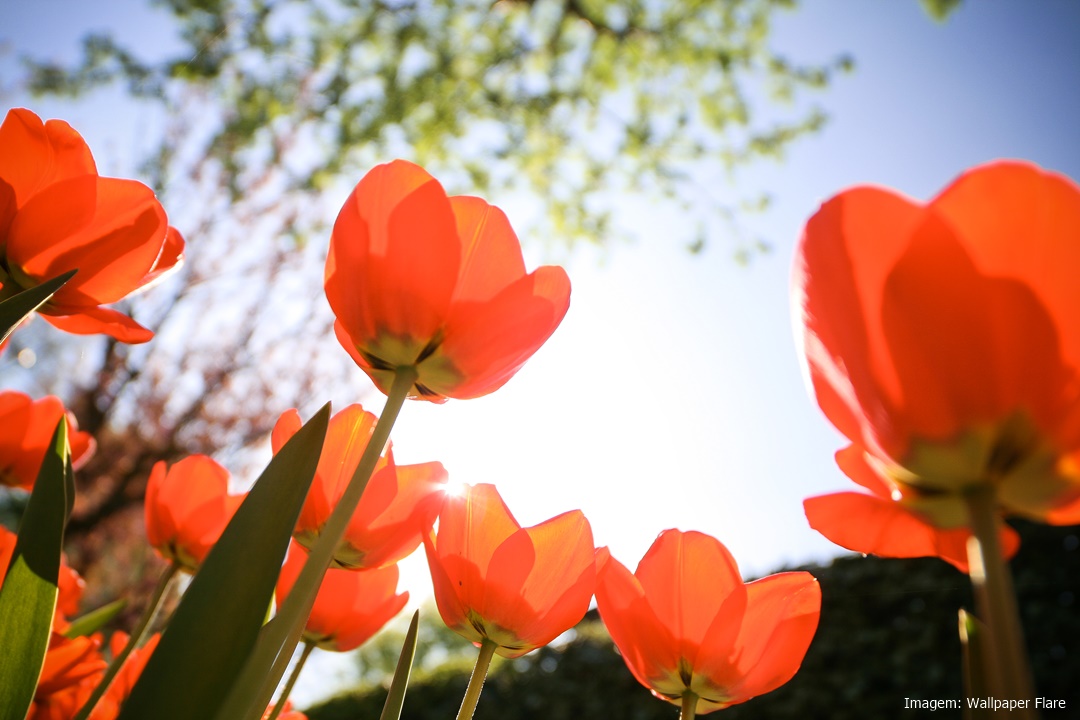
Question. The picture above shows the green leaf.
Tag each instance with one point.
(94, 620)
(973, 649)
(18, 307)
(215, 626)
(396, 698)
(28, 595)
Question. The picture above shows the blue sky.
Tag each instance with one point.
(672, 394)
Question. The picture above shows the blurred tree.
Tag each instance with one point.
(563, 100)
(270, 111)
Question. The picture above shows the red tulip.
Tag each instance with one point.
(58, 214)
(187, 509)
(685, 622)
(28, 429)
(419, 279)
(352, 605)
(519, 588)
(399, 505)
(944, 340)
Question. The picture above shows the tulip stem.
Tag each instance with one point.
(689, 705)
(283, 699)
(151, 611)
(1005, 659)
(476, 680)
(288, 624)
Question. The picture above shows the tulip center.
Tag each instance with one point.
(1027, 473)
(387, 353)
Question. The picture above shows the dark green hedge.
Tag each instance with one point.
(888, 632)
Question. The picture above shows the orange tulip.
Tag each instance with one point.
(352, 605)
(58, 214)
(495, 581)
(68, 662)
(943, 339)
(187, 509)
(398, 507)
(686, 623)
(63, 703)
(877, 525)
(419, 279)
(28, 429)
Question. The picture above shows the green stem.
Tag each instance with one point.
(1005, 659)
(476, 680)
(288, 624)
(284, 697)
(689, 705)
(151, 611)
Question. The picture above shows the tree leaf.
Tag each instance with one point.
(396, 697)
(18, 307)
(216, 624)
(94, 620)
(28, 595)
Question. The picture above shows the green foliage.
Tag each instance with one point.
(219, 618)
(15, 307)
(557, 100)
(940, 10)
(399, 682)
(30, 586)
(888, 632)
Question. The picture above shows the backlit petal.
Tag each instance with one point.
(781, 618)
(848, 249)
(489, 342)
(687, 577)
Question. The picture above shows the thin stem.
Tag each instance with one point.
(288, 624)
(284, 697)
(1005, 660)
(151, 611)
(476, 680)
(689, 705)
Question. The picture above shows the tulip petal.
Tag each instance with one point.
(394, 258)
(781, 618)
(646, 644)
(491, 252)
(540, 580)
(94, 320)
(687, 577)
(474, 524)
(38, 154)
(1018, 221)
(848, 249)
(286, 426)
(954, 335)
(874, 526)
(852, 461)
(489, 342)
(112, 230)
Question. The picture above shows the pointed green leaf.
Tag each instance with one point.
(16, 308)
(215, 626)
(396, 698)
(28, 595)
(94, 620)
(277, 641)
